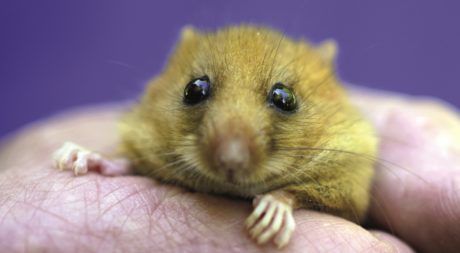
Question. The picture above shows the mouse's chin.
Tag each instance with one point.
(237, 185)
(239, 180)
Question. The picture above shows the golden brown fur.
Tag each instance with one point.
(322, 153)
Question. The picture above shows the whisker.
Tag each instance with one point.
(298, 175)
(380, 161)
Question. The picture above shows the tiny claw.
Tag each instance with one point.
(274, 228)
(264, 222)
(285, 233)
(80, 160)
(272, 217)
(251, 220)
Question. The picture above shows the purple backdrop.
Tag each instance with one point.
(59, 54)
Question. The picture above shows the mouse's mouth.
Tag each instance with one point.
(237, 178)
(230, 176)
(242, 178)
(248, 186)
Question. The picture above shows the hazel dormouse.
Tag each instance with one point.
(247, 112)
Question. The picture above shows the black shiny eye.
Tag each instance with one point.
(197, 90)
(282, 97)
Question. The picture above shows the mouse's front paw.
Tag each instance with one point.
(73, 157)
(272, 217)
(80, 160)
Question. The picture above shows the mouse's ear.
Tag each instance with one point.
(188, 32)
(327, 49)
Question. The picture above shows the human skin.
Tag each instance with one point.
(416, 193)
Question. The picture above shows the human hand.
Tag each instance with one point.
(416, 193)
(42, 209)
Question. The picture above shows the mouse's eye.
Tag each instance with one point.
(197, 90)
(282, 97)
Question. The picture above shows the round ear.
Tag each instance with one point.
(328, 49)
(188, 33)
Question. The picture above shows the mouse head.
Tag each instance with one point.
(230, 104)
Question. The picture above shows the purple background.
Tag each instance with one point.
(59, 54)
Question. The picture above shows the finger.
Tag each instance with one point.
(393, 241)
(320, 232)
(424, 183)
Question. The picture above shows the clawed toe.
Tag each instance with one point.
(80, 160)
(271, 218)
(73, 157)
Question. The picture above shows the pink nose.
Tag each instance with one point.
(232, 155)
